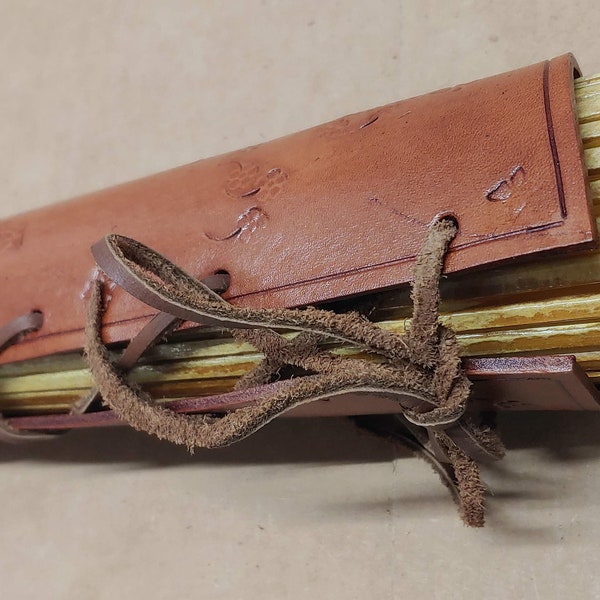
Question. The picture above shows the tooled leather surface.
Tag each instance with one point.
(330, 212)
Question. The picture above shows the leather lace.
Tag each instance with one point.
(10, 334)
(421, 370)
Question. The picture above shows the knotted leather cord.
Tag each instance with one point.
(421, 370)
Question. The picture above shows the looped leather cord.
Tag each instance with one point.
(158, 327)
(149, 277)
(10, 334)
(422, 371)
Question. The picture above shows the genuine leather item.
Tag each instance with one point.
(330, 212)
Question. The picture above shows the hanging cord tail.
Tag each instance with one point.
(461, 475)
(421, 371)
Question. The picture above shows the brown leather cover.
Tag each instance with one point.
(333, 211)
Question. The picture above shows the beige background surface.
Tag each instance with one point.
(97, 92)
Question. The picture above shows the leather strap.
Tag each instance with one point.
(10, 333)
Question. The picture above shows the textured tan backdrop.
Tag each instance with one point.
(98, 92)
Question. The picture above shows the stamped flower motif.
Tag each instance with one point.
(250, 180)
(251, 186)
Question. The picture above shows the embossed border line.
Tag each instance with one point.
(561, 201)
(552, 140)
(390, 263)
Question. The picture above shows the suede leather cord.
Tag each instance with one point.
(421, 370)
(157, 328)
(461, 477)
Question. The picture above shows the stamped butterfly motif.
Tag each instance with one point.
(505, 188)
